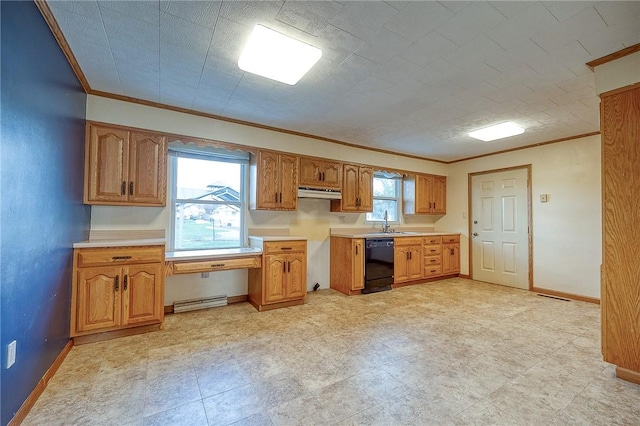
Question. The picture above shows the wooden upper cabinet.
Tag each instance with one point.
(147, 169)
(424, 194)
(318, 173)
(274, 181)
(125, 167)
(357, 190)
(439, 195)
(107, 164)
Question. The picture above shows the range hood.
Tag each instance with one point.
(326, 194)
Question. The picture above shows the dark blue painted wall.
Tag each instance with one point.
(42, 215)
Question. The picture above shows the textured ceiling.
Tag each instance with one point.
(405, 76)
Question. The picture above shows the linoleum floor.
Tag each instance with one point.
(452, 352)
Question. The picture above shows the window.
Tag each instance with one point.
(208, 198)
(386, 197)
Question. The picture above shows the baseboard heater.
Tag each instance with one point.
(203, 303)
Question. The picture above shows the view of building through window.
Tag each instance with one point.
(386, 194)
(209, 204)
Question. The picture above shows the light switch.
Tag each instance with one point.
(544, 198)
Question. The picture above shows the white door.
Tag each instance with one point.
(500, 228)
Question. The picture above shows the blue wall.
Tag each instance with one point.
(42, 215)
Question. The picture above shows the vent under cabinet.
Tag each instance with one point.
(203, 303)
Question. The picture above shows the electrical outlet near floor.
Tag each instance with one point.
(11, 354)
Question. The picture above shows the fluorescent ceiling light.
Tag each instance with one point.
(276, 56)
(498, 131)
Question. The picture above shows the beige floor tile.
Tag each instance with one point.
(191, 414)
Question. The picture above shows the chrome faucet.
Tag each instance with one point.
(386, 227)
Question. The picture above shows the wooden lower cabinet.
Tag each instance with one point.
(282, 279)
(416, 259)
(347, 265)
(407, 259)
(112, 292)
(450, 258)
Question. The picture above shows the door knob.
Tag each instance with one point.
(475, 234)
(475, 222)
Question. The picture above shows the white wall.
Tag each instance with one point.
(566, 231)
(567, 243)
(312, 219)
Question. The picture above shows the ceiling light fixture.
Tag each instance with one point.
(274, 55)
(498, 131)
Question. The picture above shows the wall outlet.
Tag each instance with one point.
(544, 198)
(204, 275)
(11, 354)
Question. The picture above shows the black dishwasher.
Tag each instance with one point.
(378, 265)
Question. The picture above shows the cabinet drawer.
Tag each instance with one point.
(405, 241)
(432, 240)
(216, 265)
(432, 250)
(284, 246)
(450, 239)
(432, 271)
(120, 255)
(431, 261)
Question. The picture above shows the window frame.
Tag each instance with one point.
(243, 203)
(397, 199)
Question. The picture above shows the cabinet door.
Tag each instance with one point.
(147, 169)
(450, 258)
(274, 280)
(424, 184)
(358, 264)
(332, 175)
(439, 195)
(365, 187)
(296, 276)
(98, 300)
(106, 172)
(268, 190)
(414, 266)
(350, 195)
(142, 295)
(310, 172)
(288, 177)
(400, 264)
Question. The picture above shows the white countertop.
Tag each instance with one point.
(276, 238)
(400, 234)
(211, 254)
(98, 243)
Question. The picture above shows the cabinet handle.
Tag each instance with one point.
(131, 188)
(276, 197)
(117, 286)
(120, 257)
(323, 176)
(123, 188)
(433, 251)
(433, 260)
(453, 252)
(126, 281)
(284, 267)
(217, 265)
(410, 255)
(281, 198)
(356, 250)
(288, 266)
(286, 248)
